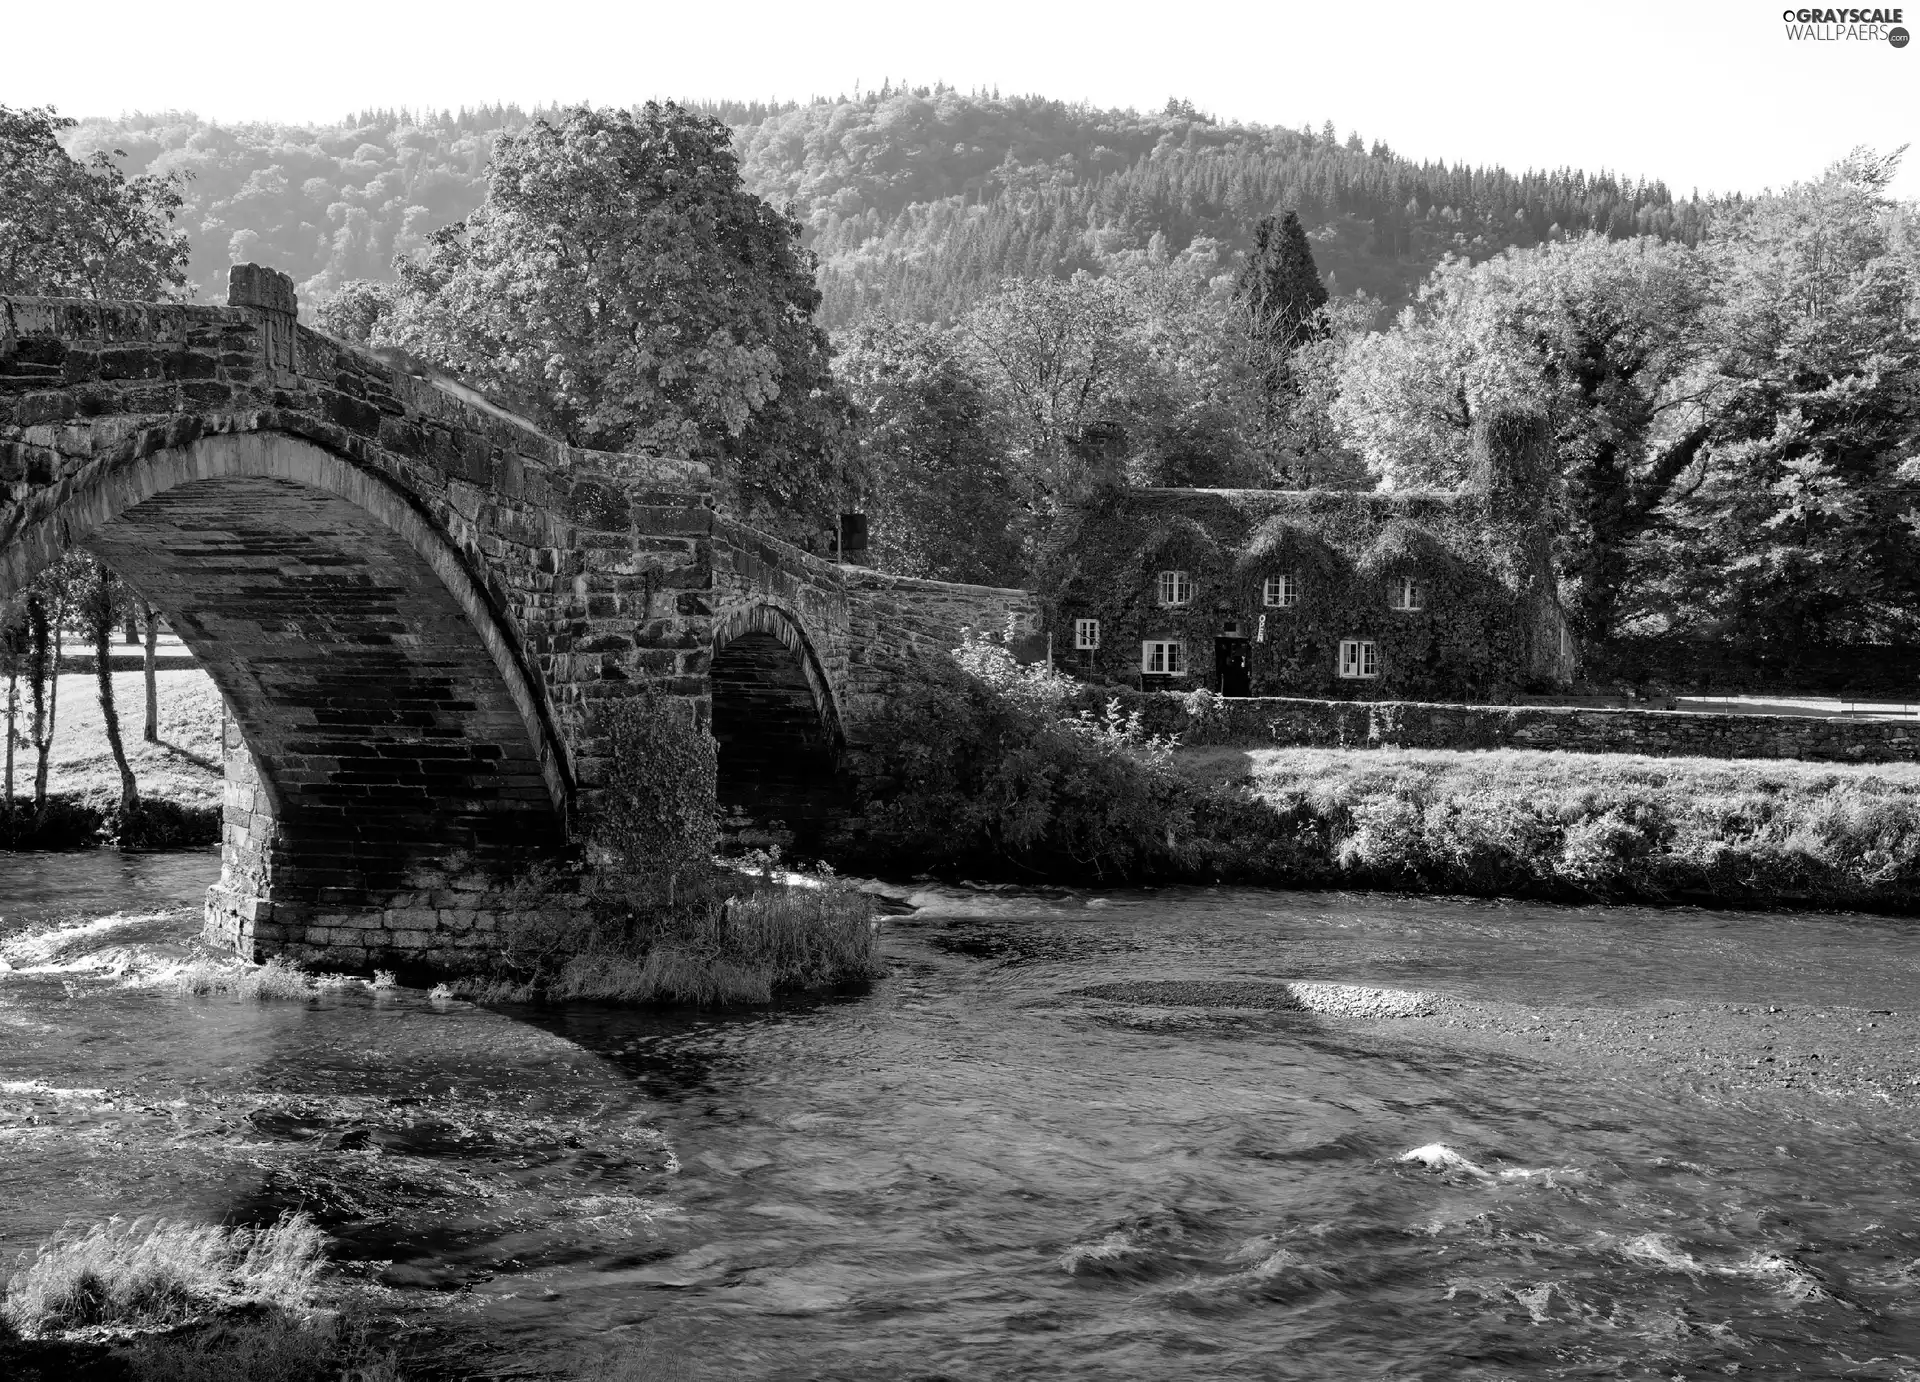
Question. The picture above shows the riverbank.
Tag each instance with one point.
(1564, 826)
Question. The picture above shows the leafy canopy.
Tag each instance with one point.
(928, 449)
(623, 285)
(82, 229)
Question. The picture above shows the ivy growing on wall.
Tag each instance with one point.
(1348, 552)
(653, 818)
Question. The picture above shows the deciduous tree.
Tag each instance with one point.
(1060, 356)
(928, 446)
(1609, 338)
(101, 600)
(622, 284)
(1803, 528)
(82, 229)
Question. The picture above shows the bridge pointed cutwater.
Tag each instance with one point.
(412, 601)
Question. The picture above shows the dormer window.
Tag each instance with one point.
(1409, 594)
(1282, 591)
(1176, 588)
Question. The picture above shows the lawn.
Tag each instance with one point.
(183, 767)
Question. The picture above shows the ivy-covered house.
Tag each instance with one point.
(1324, 593)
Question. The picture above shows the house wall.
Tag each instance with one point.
(1490, 624)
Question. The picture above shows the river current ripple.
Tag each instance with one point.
(980, 1170)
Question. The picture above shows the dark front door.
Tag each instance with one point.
(1234, 659)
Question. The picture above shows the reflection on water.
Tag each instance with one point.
(975, 1171)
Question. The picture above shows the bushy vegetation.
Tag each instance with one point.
(985, 771)
(155, 1300)
(66, 823)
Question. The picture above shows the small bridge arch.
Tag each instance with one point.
(775, 717)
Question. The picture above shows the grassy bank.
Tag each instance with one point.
(991, 771)
(180, 775)
(1525, 823)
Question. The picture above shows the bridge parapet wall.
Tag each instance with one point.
(750, 568)
(897, 624)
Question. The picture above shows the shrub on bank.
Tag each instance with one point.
(277, 978)
(983, 770)
(165, 1302)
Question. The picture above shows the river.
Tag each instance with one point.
(1594, 1145)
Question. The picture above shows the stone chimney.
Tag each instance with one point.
(268, 299)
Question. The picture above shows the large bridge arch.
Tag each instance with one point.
(402, 753)
(775, 717)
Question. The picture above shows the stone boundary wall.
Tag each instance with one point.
(1285, 722)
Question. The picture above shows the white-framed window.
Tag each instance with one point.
(1176, 588)
(1086, 633)
(1164, 657)
(1409, 594)
(1282, 591)
(1359, 657)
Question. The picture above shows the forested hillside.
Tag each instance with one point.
(915, 200)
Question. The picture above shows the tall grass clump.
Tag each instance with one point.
(277, 978)
(272, 1346)
(150, 1273)
(657, 921)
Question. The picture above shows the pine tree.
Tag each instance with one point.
(1279, 286)
(1280, 296)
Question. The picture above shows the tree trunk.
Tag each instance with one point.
(150, 731)
(13, 709)
(110, 716)
(43, 683)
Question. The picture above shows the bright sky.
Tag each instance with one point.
(1703, 93)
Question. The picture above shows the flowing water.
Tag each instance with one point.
(979, 1170)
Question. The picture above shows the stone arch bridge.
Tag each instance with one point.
(411, 601)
